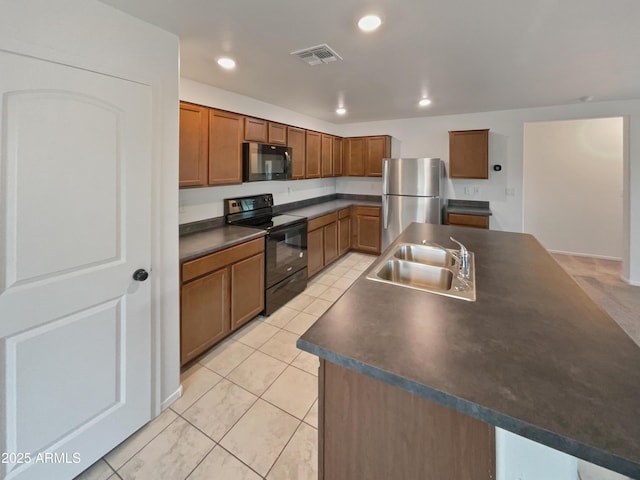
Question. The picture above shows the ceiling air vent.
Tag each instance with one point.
(317, 55)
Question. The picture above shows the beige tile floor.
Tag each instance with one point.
(249, 408)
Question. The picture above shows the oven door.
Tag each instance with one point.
(286, 252)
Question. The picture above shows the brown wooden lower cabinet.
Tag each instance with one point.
(366, 229)
(331, 236)
(322, 242)
(477, 221)
(370, 429)
(247, 289)
(344, 231)
(330, 242)
(315, 251)
(204, 312)
(219, 293)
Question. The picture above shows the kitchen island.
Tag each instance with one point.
(533, 355)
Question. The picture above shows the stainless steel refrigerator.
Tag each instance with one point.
(412, 191)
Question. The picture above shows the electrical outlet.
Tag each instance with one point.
(467, 190)
(476, 190)
(510, 192)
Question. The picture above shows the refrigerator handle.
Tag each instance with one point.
(385, 176)
(385, 211)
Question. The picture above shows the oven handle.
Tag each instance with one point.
(287, 165)
(292, 226)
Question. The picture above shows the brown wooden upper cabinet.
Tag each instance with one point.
(296, 139)
(314, 148)
(277, 134)
(225, 147)
(326, 155)
(363, 155)
(377, 149)
(469, 154)
(256, 130)
(337, 157)
(354, 149)
(194, 145)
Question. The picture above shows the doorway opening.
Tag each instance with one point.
(573, 186)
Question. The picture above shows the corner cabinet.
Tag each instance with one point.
(338, 170)
(219, 293)
(469, 154)
(354, 149)
(363, 155)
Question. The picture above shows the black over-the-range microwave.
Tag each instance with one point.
(265, 162)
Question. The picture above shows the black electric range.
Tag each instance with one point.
(285, 249)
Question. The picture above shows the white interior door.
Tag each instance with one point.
(74, 225)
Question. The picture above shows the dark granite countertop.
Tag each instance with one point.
(320, 209)
(468, 207)
(212, 235)
(533, 355)
(195, 245)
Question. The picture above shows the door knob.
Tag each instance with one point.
(140, 275)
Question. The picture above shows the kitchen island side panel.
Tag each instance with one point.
(373, 430)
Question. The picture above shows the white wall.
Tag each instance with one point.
(359, 185)
(91, 35)
(428, 136)
(203, 203)
(573, 185)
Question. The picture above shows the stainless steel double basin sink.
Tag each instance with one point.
(426, 267)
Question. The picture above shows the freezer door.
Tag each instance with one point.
(399, 211)
(420, 177)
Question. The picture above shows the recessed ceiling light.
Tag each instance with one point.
(226, 62)
(424, 102)
(341, 110)
(369, 23)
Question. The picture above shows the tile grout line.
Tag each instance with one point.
(218, 443)
(215, 444)
(282, 451)
(145, 445)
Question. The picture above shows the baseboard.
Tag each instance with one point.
(629, 281)
(171, 398)
(602, 257)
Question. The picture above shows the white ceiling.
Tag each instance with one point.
(466, 55)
